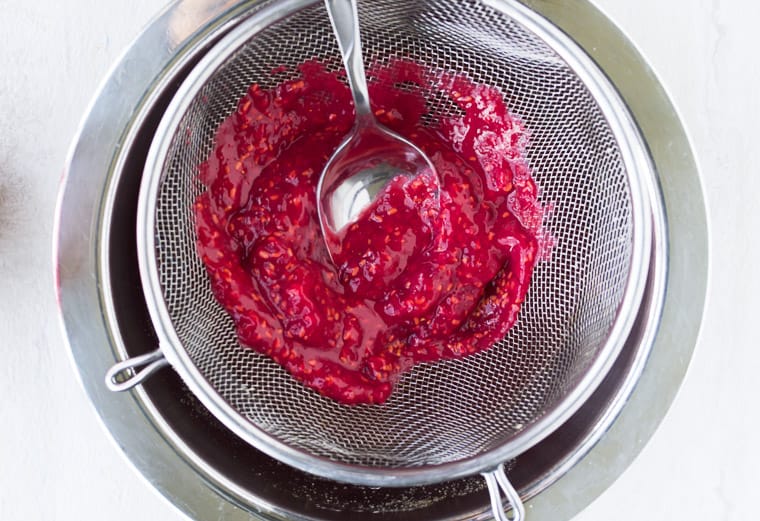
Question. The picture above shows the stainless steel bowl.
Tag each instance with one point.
(204, 469)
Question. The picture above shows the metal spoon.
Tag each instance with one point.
(371, 155)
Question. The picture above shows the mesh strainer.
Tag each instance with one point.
(453, 418)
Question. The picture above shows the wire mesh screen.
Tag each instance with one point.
(455, 409)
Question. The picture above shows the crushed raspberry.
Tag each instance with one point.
(412, 282)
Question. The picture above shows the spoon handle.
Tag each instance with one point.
(345, 23)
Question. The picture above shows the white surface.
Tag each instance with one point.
(56, 461)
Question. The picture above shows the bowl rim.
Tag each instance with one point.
(93, 162)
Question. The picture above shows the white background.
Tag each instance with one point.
(56, 461)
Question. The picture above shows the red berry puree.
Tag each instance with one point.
(414, 282)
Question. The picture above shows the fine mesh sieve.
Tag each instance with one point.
(455, 417)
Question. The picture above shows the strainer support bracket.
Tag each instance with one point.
(497, 483)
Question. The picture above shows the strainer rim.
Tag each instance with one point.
(635, 158)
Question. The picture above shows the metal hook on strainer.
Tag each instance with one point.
(450, 419)
(497, 483)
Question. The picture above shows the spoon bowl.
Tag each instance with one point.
(364, 163)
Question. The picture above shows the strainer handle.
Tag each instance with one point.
(497, 483)
(127, 374)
